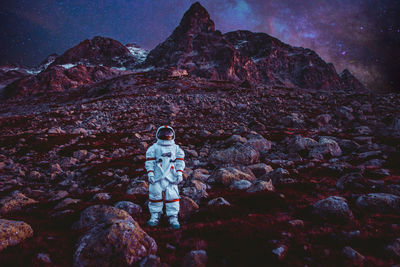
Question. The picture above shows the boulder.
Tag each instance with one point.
(200, 174)
(227, 175)
(235, 139)
(379, 202)
(293, 120)
(187, 207)
(15, 202)
(237, 154)
(260, 169)
(259, 143)
(277, 176)
(120, 243)
(350, 181)
(100, 214)
(261, 186)
(130, 207)
(333, 207)
(240, 185)
(101, 197)
(138, 187)
(195, 193)
(300, 143)
(326, 146)
(13, 232)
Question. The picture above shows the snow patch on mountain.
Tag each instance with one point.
(139, 53)
(68, 66)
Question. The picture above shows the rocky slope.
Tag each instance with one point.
(281, 175)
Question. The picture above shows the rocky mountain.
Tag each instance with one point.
(99, 50)
(89, 62)
(198, 48)
(280, 63)
(194, 48)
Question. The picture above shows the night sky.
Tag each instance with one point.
(361, 35)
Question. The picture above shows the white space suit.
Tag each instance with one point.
(164, 164)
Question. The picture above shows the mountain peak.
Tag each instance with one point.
(196, 19)
(99, 50)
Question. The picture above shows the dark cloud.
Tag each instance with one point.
(361, 35)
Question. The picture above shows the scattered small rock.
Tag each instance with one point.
(219, 201)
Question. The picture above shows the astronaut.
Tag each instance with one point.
(164, 164)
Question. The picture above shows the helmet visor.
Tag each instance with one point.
(165, 134)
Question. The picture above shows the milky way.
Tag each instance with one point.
(361, 35)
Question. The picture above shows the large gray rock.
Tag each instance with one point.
(227, 175)
(138, 187)
(195, 193)
(261, 186)
(240, 185)
(379, 202)
(237, 154)
(333, 207)
(259, 143)
(13, 232)
(277, 176)
(326, 146)
(350, 181)
(260, 169)
(300, 143)
(130, 207)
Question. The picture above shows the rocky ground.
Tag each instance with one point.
(274, 176)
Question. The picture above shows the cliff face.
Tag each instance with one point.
(197, 47)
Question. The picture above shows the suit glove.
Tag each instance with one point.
(151, 178)
(179, 178)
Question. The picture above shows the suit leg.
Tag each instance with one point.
(155, 198)
(172, 200)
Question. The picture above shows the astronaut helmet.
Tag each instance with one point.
(165, 132)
